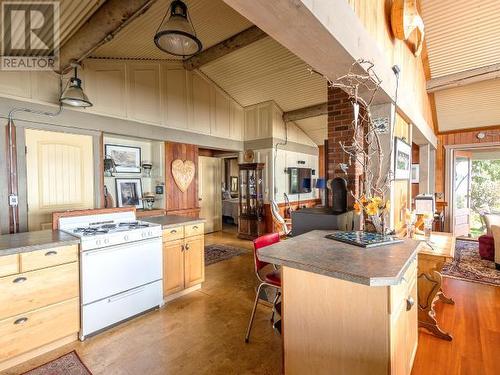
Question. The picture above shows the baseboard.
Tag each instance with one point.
(36, 352)
(171, 297)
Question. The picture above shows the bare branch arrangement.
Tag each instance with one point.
(365, 149)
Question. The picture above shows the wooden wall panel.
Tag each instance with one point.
(144, 92)
(176, 201)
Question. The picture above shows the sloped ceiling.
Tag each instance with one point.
(462, 35)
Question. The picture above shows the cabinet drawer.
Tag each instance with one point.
(25, 332)
(400, 292)
(9, 265)
(32, 290)
(49, 257)
(193, 229)
(172, 234)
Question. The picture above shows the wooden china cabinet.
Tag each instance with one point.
(251, 220)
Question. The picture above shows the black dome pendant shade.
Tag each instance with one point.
(176, 34)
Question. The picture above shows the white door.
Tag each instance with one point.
(210, 191)
(461, 193)
(60, 175)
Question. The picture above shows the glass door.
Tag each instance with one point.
(461, 193)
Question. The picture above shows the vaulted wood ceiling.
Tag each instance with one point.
(463, 37)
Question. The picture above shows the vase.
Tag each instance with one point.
(378, 224)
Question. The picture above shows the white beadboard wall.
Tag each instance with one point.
(156, 93)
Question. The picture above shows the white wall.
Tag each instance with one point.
(157, 93)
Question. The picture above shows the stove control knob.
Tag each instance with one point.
(150, 233)
(98, 242)
(106, 240)
(125, 237)
(143, 234)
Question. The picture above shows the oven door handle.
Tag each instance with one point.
(125, 294)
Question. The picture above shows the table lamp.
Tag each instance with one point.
(321, 185)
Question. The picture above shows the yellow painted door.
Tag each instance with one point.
(210, 191)
(60, 172)
(173, 267)
(194, 261)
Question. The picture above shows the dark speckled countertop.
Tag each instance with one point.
(169, 221)
(31, 241)
(312, 252)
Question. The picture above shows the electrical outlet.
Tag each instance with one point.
(13, 200)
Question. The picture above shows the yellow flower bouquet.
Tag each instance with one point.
(376, 208)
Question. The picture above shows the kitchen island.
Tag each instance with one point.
(346, 309)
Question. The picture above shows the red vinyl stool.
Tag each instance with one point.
(271, 279)
(487, 247)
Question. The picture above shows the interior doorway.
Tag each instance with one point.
(210, 193)
(60, 175)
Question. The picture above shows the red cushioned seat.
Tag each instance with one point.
(274, 278)
(487, 247)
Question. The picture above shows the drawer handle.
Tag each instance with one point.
(49, 253)
(182, 247)
(195, 227)
(409, 303)
(18, 280)
(21, 320)
(187, 246)
(173, 231)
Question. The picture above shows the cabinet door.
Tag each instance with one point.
(412, 326)
(173, 267)
(194, 257)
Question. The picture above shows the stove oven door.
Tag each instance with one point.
(111, 270)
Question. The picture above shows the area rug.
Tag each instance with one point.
(68, 364)
(216, 252)
(469, 266)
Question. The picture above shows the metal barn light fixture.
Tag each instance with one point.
(176, 34)
(73, 94)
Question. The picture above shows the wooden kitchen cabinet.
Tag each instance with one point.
(39, 303)
(183, 260)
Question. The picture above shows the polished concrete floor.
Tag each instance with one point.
(203, 333)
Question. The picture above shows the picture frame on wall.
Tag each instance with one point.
(129, 192)
(127, 158)
(402, 159)
(415, 173)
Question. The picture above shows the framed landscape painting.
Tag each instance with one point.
(126, 158)
(402, 160)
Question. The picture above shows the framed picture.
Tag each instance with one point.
(402, 158)
(415, 169)
(234, 184)
(129, 192)
(126, 158)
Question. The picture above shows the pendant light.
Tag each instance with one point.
(73, 94)
(176, 34)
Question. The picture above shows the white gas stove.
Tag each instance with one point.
(120, 265)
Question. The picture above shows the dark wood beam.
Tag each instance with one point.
(102, 26)
(464, 78)
(240, 40)
(306, 112)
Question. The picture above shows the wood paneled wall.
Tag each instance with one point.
(177, 202)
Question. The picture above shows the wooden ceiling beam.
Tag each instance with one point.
(464, 78)
(233, 43)
(105, 23)
(306, 112)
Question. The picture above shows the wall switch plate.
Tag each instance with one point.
(13, 200)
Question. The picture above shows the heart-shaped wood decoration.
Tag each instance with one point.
(183, 173)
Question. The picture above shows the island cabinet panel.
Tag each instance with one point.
(183, 259)
(46, 258)
(334, 326)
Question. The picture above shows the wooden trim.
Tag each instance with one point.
(101, 169)
(191, 212)
(12, 180)
(150, 213)
(92, 211)
(476, 129)
(467, 77)
(231, 44)
(306, 112)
